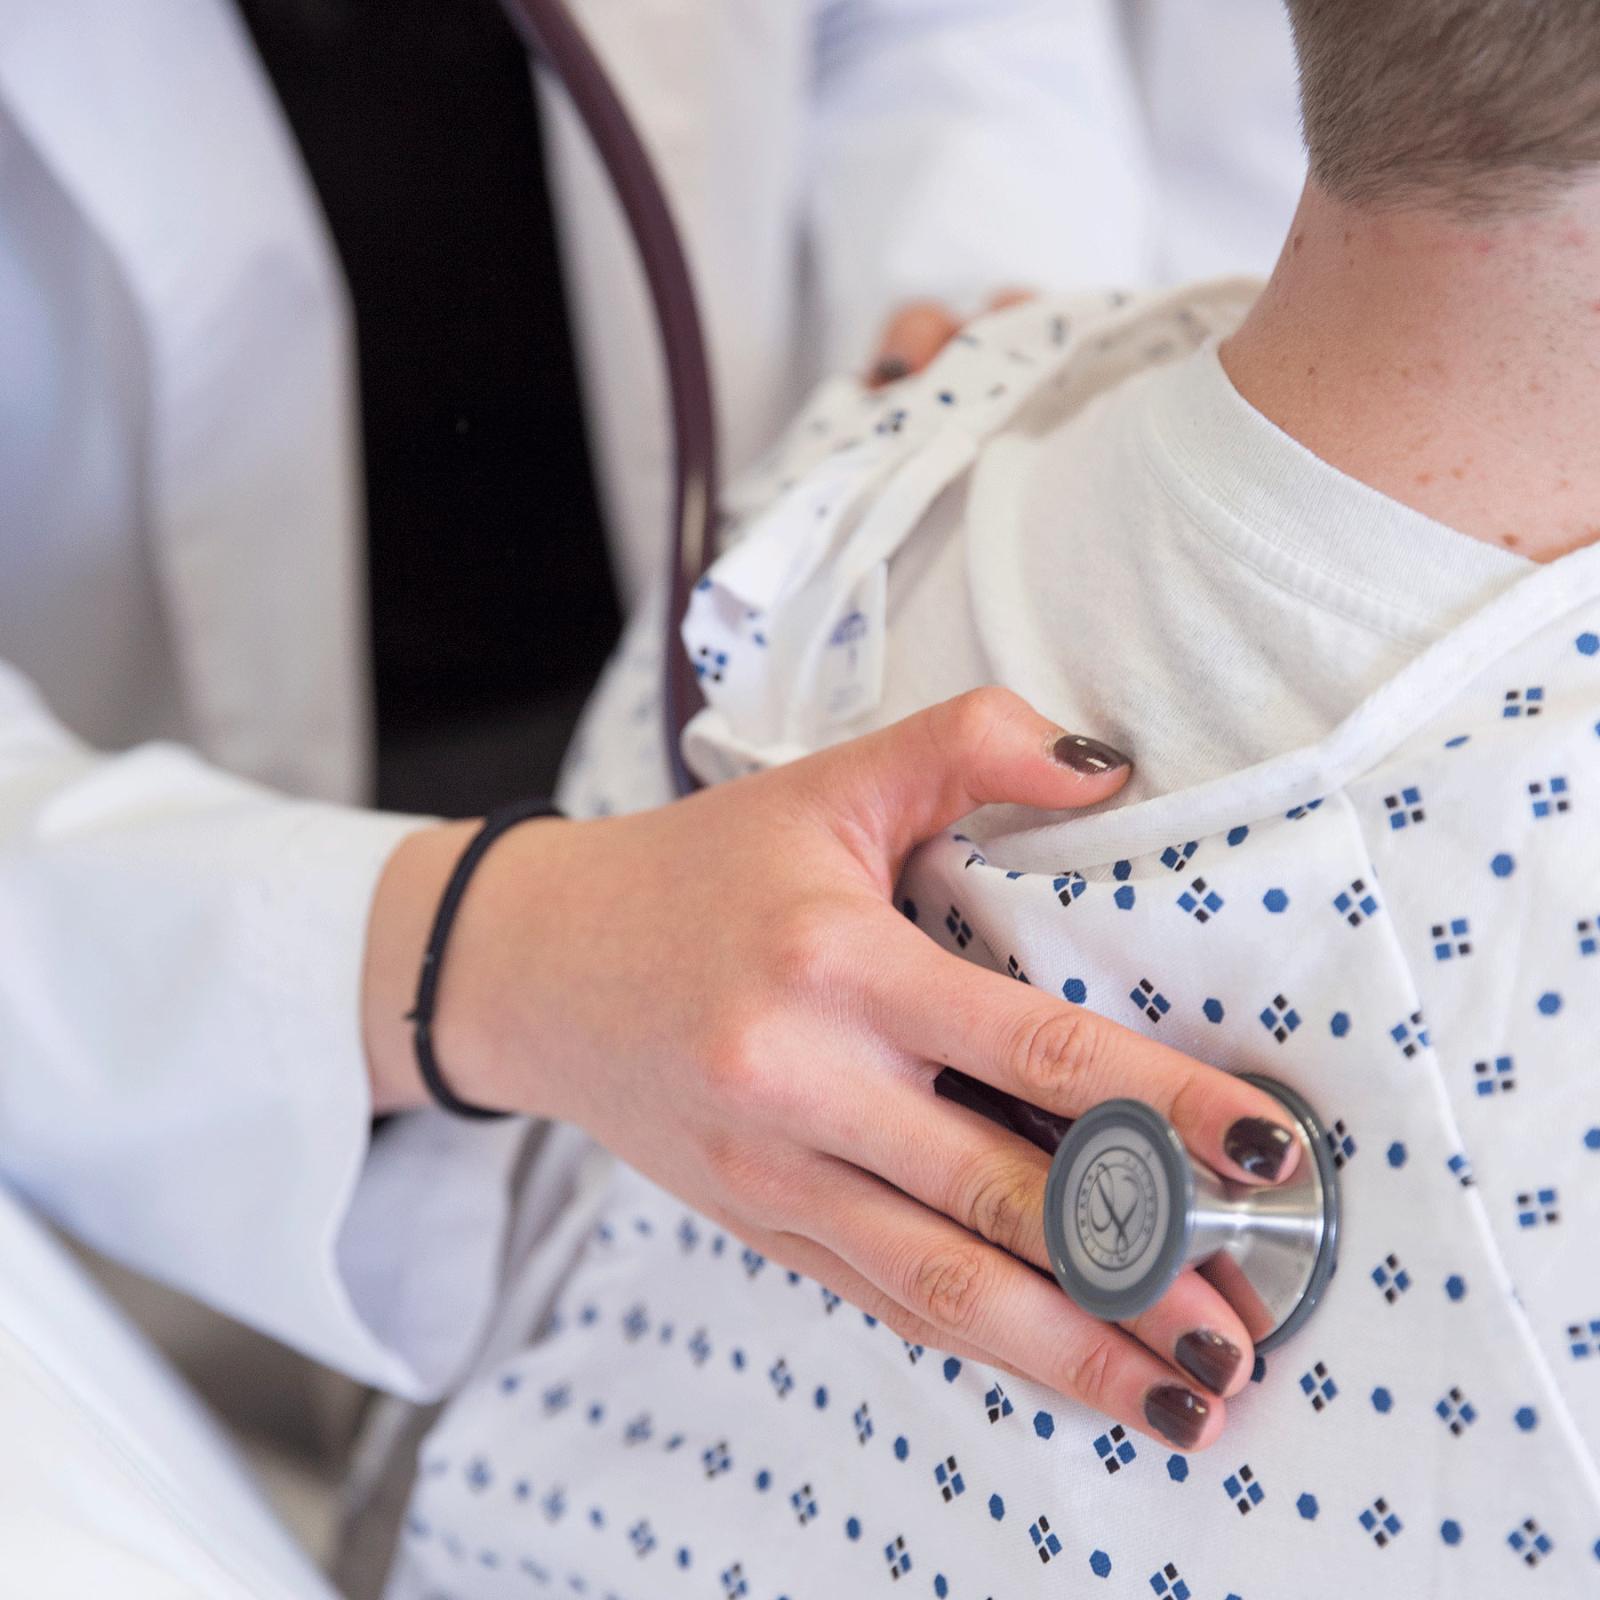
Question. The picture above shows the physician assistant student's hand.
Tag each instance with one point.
(722, 992)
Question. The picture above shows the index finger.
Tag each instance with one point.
(1065, 1058)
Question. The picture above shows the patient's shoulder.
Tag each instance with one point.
(1018, 371)
(790, 628)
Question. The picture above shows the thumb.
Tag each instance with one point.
(989, 746)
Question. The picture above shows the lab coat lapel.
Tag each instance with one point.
(152, 116)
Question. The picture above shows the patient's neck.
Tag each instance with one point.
(1454, 366)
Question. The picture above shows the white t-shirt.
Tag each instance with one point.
(1170, 572)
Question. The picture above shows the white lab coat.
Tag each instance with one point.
(181, 1079)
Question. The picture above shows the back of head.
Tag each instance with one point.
(1465, 106)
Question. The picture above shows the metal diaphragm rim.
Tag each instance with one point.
(1321, 1273)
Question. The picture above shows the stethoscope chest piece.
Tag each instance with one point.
(1127, 1208)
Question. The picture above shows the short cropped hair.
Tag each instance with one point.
(1469, 106)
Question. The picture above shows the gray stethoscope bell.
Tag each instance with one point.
(1127, 1208)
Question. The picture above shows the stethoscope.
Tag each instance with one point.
(1127, 1207)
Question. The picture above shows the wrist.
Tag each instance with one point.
(403, 908)
(485, 969)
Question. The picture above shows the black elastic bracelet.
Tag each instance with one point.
(421, 1014)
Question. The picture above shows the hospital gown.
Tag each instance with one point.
(1400, 919)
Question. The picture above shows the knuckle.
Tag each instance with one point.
(877, 1303)
(767, 1200)
(970, 720)
(725, 1164)
(743, 1178)
(731, 1060)
(755, 1073)
(969, 737)
(1058, 1053)
(807, 948)
(906, 1324)
(1089, 1370)
(1004, 1202)
(948, 1288)
(1188, 1103)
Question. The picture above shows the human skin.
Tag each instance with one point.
(722, 992)
(1451, 361)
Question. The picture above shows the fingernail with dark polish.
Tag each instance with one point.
(890, 369)
(1210, 1358)
(1087, 756)
(1176, 1414)
(1259, 1146)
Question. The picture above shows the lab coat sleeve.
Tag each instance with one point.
(182, 1081)
(961, 147)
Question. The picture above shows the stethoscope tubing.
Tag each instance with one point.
(548, 29)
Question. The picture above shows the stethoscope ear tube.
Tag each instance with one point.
(548, 28)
